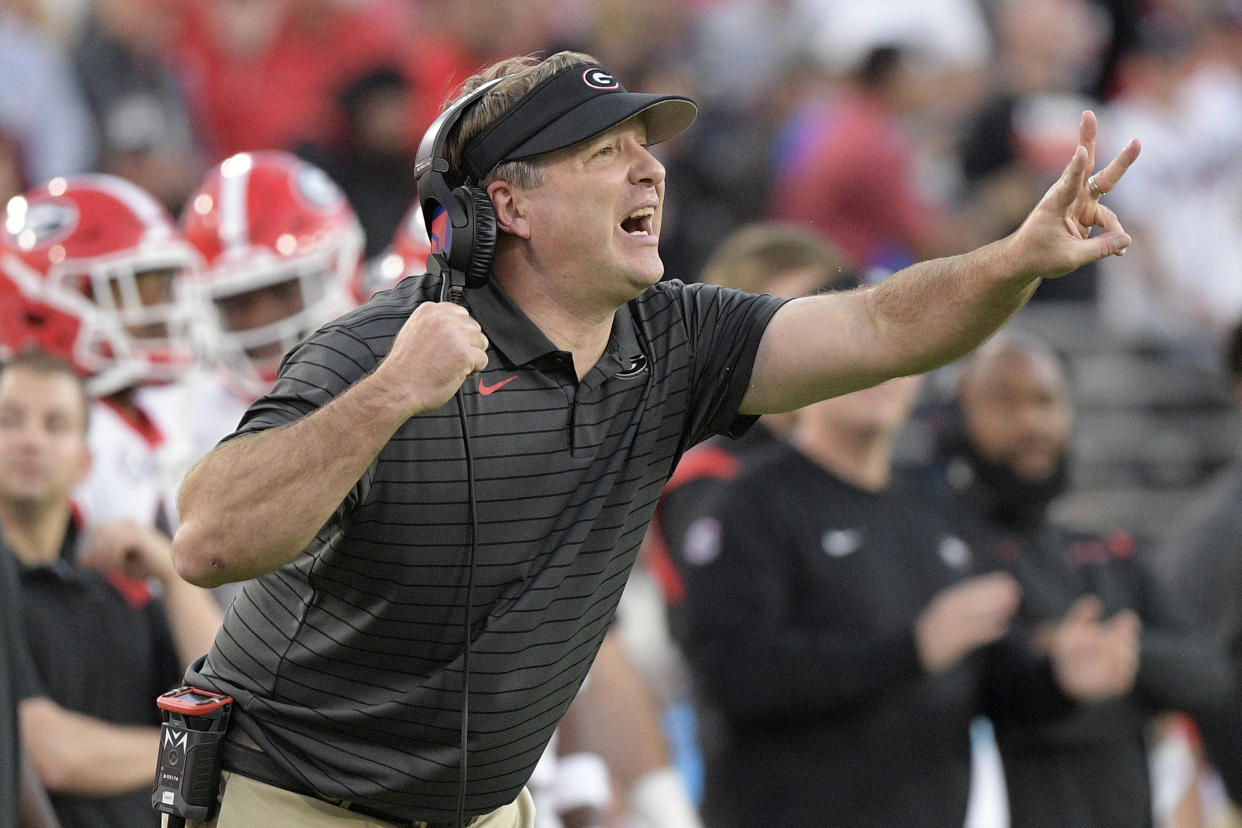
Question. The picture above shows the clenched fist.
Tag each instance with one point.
(435, 351)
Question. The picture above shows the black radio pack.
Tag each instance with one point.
(191, 740)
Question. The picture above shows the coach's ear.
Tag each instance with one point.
(510, 205)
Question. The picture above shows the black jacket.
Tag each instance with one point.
(797, 620)
(1089, 769)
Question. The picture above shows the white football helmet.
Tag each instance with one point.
(93, 269)
(281, 247)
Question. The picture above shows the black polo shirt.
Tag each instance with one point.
(347, 662)
(16, 677)
(102, 647)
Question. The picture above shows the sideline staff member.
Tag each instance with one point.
(583, 380)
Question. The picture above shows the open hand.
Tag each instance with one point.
(129, 548)
(963, 617)
(1094, 659)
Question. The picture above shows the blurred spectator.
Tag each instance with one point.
(631, 36)
(1201, 563)
(784, 260)
(261, 75)
(41, 107)
(1123, 20)
(856, 634)
(1014, 146)
(60, 20)
(855, 148)
(280, 248)
(483, 31)
(23, 801)
(144, 129)
(742, 49)
(373, 158)
(405, 255)
(102, 644)
(94, 271)
(948, 43)
(1183, 287)
(720, 168)
(949, 33)
(12, 172)
(609, 738)
(1004, 461)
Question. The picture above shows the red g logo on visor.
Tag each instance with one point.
(598, 78)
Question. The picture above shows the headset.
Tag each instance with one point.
(460, 220)
(461, 225)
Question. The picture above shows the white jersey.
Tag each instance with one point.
(195, 413)
(125, 480)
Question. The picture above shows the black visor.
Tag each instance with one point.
(576, 103)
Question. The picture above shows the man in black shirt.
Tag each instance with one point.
(1005, 465)
(1200, 563)
(101, 645)
(782, 259)
(22, 798)
(348, 494)
(841, 640)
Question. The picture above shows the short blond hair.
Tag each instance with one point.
(750, 257)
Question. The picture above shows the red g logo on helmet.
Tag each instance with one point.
(598, 78)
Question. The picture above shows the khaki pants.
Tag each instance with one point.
(247, 803)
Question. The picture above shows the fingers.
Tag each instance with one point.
(990, 598)
(1088, 128)
(1072, 181)
(1125, 624)
(963, 617)
(986, 603)
(1107, 219)
(1111, 244)
(437, 349)
(1108, 178)
(1086, 610)
(1077, 178)
(127, 547)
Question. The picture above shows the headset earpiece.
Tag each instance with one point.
(483, 238)
(461, 223)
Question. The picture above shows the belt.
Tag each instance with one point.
(257, 765)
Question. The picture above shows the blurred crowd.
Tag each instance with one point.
(192, 186)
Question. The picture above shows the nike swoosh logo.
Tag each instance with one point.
(841, 542)
(486, 389)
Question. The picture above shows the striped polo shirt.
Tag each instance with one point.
(347, 662)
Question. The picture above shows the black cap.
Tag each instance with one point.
(576, 103)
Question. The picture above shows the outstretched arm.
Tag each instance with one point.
(935, 311)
